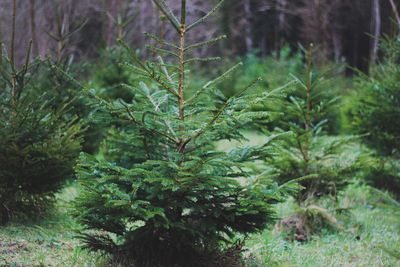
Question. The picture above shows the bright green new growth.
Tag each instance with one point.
(163, 195)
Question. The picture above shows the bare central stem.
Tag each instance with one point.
(14, 78)
(181, 87)
(14, 11)
(182, 62)
(309, 104)
(182, 74)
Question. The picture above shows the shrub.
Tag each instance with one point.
(162, 195)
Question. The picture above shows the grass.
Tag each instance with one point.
(371, 230)
(48, 242)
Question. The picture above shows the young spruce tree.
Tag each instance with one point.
(37, 148)
(162, 195)
(319, 161)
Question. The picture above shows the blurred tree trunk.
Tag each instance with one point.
(281, 9)
(35, 47)
(248, 28)
(337, 46)
(375, 29)
(1, 35)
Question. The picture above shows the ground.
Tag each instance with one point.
(371, 231)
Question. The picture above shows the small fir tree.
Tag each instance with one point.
(378, 108)
(320, 162)
(377, 114)
(162, 195)
(37, 149)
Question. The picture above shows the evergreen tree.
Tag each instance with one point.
(321, 162)
(378, 108)
(37, 148)
(162, 195)
(377, 113)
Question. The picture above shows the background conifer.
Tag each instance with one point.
(320, 161)
(37, 147)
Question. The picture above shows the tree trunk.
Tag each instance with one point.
(35, 48)
(337, 46)
(281, 7)
(248, 33)
(375, 29)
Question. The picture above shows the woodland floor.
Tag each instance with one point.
(370, 234)
(371, 228)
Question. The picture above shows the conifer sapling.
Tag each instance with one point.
(318, 161)
(163, 195)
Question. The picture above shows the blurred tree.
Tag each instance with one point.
(377, 111)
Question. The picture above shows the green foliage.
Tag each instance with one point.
(377, 110)
(322, 163)
(330, 165)
(162, 195)
(55, 84)
(277, 71)
(109, 74)
(38, 148)
(274, 71)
